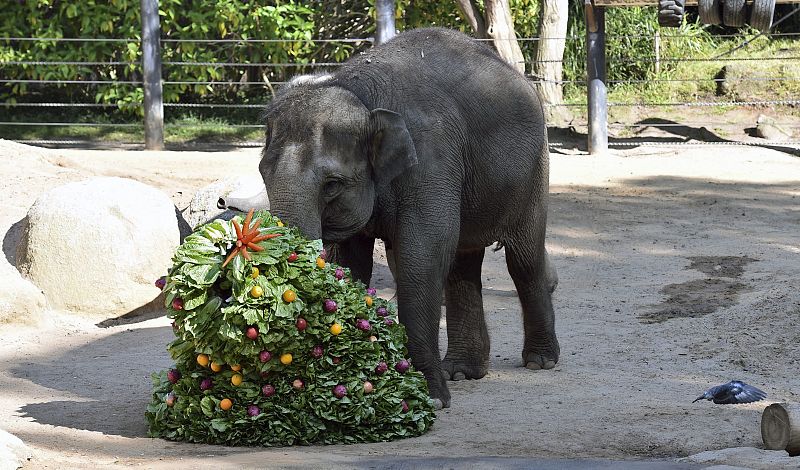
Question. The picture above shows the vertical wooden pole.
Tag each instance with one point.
(596, 76)
(384, 21)
(151, 70)
(657, 47)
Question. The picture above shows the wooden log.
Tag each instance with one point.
(780, 427)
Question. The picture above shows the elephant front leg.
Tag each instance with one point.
(467, 336)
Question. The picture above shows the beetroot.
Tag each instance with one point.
(292, 257)
(381, 368)
(382, 312)
(161, 282)
(402, 366)
(253, 410)
(388, 322)
(268, 390)
(206, 383)
(372, 291)
(177, 303)
(336, 360)
(264, 356)
(301, 324)
(251, 332)
(173, 375)
(317, 351)
(324, 254)
(330, 305)
(363, 325)
(339, 391)
(404, 406)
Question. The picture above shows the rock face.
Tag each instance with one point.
(204, 209)
(96, 247)
(745, 457)
(20, 301)
(13, 452)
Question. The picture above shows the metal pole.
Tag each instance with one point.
(151, 69)
(384, 21)
(596, 75)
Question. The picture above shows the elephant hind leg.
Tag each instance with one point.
(467, 336)
(535, 280)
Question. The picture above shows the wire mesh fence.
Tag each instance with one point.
(729, 87)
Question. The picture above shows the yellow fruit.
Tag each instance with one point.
(336, 329)
(286, 359)
(257, 291)
(279, 224)
(236, 380)
(289, 296)
(320, 263)
(254, 272)
(225, 404)
(368, 300)
(216, 367)
(236, 367)
(202, 359)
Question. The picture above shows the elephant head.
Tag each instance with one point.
(327, 156)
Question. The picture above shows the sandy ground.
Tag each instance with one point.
(678, 270)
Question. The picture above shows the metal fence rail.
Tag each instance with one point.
(118, 114)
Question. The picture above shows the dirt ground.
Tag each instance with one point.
(678, 270)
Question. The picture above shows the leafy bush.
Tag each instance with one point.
(278, 347)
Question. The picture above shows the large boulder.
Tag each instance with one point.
(96, 246)
(20, 301)
(13, 452)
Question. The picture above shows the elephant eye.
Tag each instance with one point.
(332, 188)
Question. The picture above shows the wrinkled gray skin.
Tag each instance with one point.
(436, 146)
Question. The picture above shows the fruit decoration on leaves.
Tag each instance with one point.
(279, 347)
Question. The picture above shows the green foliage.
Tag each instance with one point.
(219, 305)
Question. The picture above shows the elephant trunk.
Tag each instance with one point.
(258, 202)
(299, 211)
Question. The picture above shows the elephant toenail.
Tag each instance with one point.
(437, 403)
(532, 365)
(459, 376)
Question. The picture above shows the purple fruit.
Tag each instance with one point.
(388, 322)
(336, 360)
(253, 410)
(324, 254)
(404, 406)
(264, 356)
(177, 303)
(372, 291)
(170, 400)
(330, 305)
(338, 274)
(381, 368)
(251, 332)
(402, 366)
(161, 282)
(363, 325)
(173, 375)
(268, 390)
(381, 311)
(206, 384)
(339, 391)
(317, 351)
(301, 324)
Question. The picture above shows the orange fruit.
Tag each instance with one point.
(368, 300)
(236, 367)
(254, 272)
(289, 296)
(236, 380)
(286, 359)
(202, 359)
(320, 263)
(336, 329)
(257, 291)
(215, 366)
(225, 404)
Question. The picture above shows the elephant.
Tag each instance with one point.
(435, 145)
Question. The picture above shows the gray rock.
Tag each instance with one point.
(203, 207)
(766, 128)
(20, 300)
(96, 247)
(13, 452)
(745, 457)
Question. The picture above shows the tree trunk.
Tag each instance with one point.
(780, 427)
(500, 28)
(473, 16)
(547, 65)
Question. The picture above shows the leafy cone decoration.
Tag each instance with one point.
(279, 347)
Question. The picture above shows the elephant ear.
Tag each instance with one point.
(392, 148)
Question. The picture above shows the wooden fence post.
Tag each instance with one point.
(597, 100)
(384, 21)
(151, 70)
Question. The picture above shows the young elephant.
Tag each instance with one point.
(435, 145)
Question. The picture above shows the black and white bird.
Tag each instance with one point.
(732, 392)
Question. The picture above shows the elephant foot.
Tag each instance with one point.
(438, 391)
(538, 358)
(460, 369)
